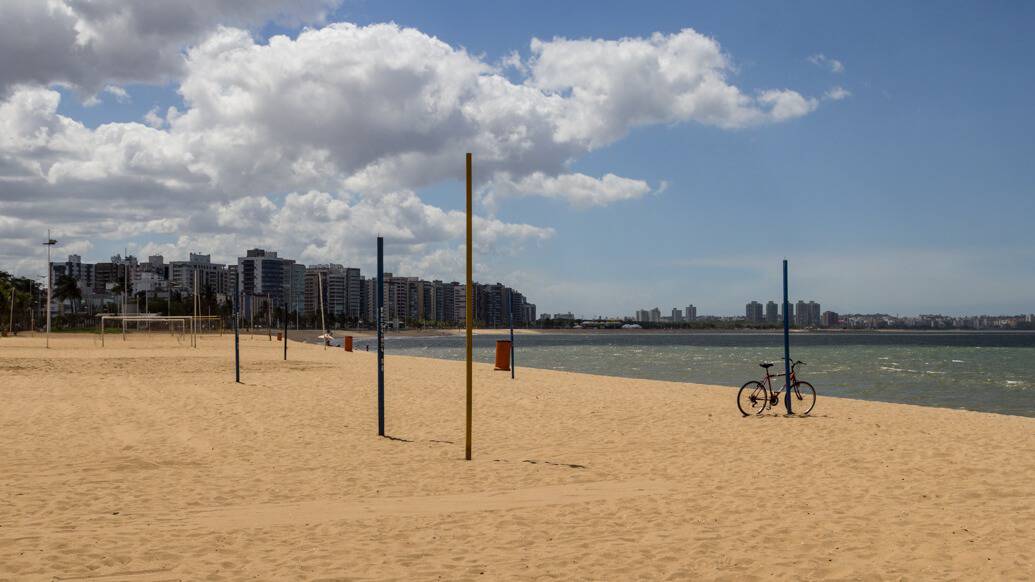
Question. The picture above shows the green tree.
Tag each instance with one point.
(67, 289)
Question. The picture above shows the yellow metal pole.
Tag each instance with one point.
(470, 311)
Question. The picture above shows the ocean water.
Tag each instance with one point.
(983, 371)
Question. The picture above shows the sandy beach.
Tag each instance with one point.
(143, 460)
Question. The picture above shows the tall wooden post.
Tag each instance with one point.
(380, 336)
(470, 312)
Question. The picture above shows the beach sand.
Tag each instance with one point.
(145, 461)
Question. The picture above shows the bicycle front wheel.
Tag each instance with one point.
(804, 396)
(752, 398)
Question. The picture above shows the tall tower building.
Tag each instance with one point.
(753, 312)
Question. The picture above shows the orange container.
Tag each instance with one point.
(280, 336)
(503, 355)
(347, 343)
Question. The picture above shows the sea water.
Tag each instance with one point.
(983, 371)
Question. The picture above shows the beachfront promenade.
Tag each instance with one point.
(145, 461)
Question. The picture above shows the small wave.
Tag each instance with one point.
(957, 361)
(890, 369)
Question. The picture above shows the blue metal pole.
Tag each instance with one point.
(380, 336)
(510, 316)
(786, 343)
(287, 298)
(237, 341)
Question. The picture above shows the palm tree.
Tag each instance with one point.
(67, 289)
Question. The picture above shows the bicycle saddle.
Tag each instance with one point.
(766, 365)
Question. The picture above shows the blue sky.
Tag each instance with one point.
(914, 194)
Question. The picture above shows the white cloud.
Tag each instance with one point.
(87, 44)
(821, 60)
(354, 120)
(837, 93)
(579, 190)
(787, 104)
(118, 93)
(152, 119)
(612, 86)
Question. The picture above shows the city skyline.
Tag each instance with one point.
(752, 134)
(632, 315)
(264, 282)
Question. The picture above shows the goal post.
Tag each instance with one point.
(171, 321)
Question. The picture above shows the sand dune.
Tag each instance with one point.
(145, 461)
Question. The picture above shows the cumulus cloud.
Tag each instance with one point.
(612, 86)
(87, 44)
(318, 142)
(837, 93)
(578, 189)
(821, 60)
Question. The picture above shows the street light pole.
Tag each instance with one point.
(50, 283)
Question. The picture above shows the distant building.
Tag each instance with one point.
(691, 313)
(829, 319)
(753, 312)
(814, 314)
(181, 274)
(655, 315)
(772, 312)
(801, 310)
(459, 303)
(74, 267)
(262, 274)
(677, 315)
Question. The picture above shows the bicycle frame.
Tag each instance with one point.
(767, 382)
(773, 396)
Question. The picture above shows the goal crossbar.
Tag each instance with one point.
(181, 319)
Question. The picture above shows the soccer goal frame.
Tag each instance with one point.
(171, 320)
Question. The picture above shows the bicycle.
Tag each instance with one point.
(757, 396)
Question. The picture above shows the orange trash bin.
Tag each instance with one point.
(280, 335)
(347, 343)
(503, 355)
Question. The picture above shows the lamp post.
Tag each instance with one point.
(50, 283)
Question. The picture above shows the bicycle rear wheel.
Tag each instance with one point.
(804, 396)
(752, 398)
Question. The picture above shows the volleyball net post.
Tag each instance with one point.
(469, 308)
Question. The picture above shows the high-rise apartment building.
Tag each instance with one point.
(772, 312)
(691, 313)
(790, 312)
(262, 274)
(830, 319)
(181, 274)
(753, 312)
